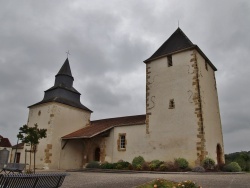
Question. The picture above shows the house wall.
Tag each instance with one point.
(22, 155)
(59, 120)
(10, 152)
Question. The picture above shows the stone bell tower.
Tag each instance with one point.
(182, 103)
(60, 112)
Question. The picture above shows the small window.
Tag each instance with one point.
(170, 63)
(171, 104)
(206, 65)
(122, 142)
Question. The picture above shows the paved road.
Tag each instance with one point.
(126, 180)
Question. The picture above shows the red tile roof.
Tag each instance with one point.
(4, 142)
(19, 146)
(99, 126)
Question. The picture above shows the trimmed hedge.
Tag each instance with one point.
(93, 164)
(181, 163)
(138, 161)
(232, 167)
(208, 163)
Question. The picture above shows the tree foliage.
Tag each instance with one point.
(242, 158)
(31, 135)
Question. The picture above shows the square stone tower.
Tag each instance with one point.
(60, 112)
(182, 109)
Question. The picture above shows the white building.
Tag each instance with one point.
(182, 115)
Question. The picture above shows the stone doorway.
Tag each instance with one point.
(219, 154)
(97, 154)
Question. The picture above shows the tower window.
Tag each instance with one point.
(171, 104)
(122, 142)
(206, 65)
(170, 63)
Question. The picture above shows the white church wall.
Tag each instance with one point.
(210, 108)
(59, 120)
(71, 156)
(135, 142)
(109, 146)
(172, 132)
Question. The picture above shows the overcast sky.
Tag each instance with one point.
(108, 42)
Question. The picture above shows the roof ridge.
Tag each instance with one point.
(117, 117)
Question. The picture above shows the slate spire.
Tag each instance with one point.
(64, 76)
(65, 69)
(63, 90)
(176, 42)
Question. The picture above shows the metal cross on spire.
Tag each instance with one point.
(68, 53)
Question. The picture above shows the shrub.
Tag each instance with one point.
(208, 163)
(248, 166)
(108, 165)
(232, 167)
(138, 161)
(138, 167)
(155, 164)
(145, 166)
(93, 164)
(163, 167)
(171, 166)
(130, 167)
(198, 169)
(241, 162)
(181, 163)
(122, 165)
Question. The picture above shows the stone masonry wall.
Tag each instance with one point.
(201, 143)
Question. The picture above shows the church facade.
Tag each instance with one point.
(182, 115)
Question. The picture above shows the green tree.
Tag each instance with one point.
(31, 135)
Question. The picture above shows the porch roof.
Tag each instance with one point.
(99, 126)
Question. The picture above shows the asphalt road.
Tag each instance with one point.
(128, 180)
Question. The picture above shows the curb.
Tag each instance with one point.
(151, 172)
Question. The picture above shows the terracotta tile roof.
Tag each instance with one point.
(19, 146)
(103, 125)
(4, 142)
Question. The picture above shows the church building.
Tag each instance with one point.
(182, 117)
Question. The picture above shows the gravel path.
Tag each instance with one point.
(128, 180)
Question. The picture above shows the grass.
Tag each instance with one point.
(162, 183)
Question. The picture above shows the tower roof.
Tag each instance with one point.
(65, 69)
(63, 90)
(178, 41)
